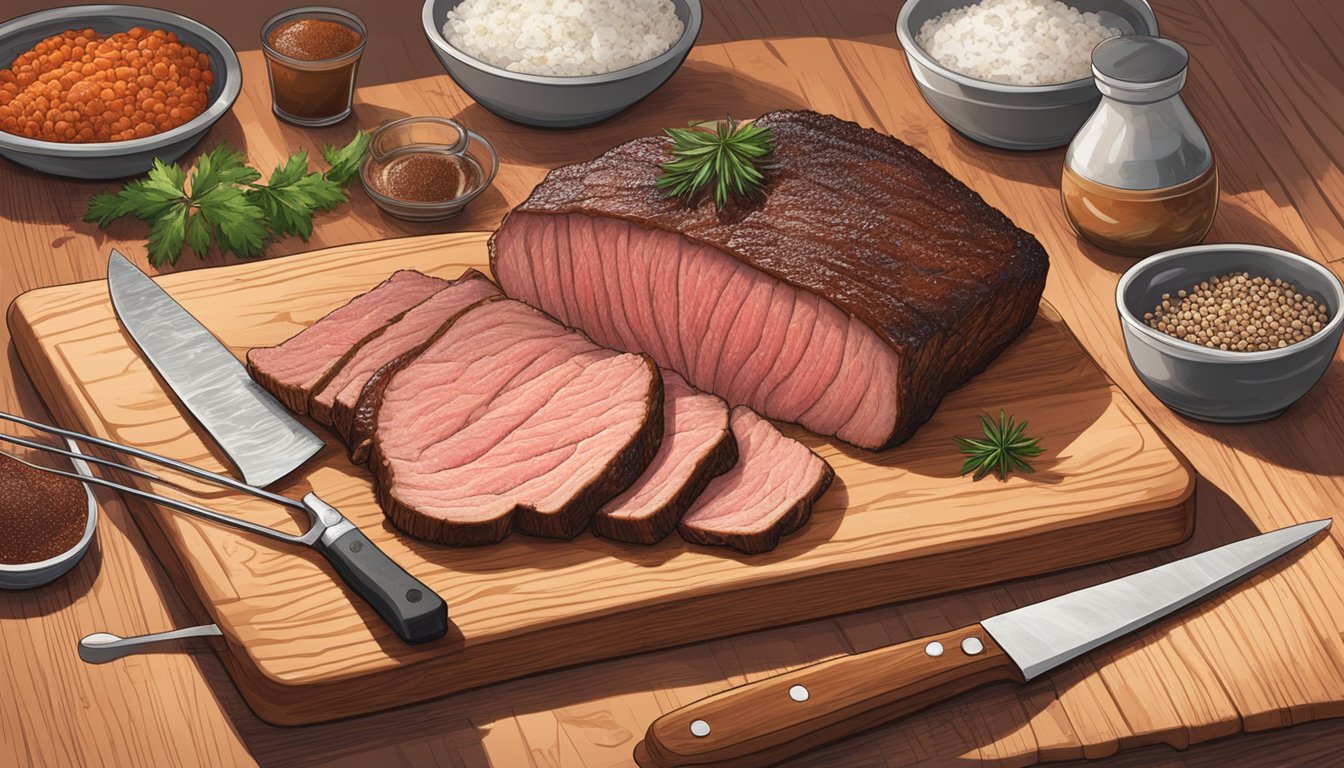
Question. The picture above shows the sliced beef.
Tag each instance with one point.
(768, 494)
(697, 446)
(293, 370)
(510, 420)
(863, 285)
(334, 404)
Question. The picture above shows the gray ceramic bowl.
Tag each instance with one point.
(1022, 117)
(31, 575)
(557, 102)
(116, 159)
(1212, 384)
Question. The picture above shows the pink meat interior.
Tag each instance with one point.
(773, 473)
(693, 424)
(412, 330)
(727, 327)
(508, 408)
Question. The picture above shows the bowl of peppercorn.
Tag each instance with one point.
(46, 522)
(1227, 332)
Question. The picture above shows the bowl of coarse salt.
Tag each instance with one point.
(1013, 74)
(560, 63)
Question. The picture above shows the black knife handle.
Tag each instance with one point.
(414, 611)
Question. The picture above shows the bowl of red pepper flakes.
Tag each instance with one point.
(47, 523)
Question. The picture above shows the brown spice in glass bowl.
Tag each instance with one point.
(41, 515)
(1239, 313)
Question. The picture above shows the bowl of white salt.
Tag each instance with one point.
(1013, 74)
(560, 63)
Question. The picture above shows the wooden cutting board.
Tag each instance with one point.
(894, 525)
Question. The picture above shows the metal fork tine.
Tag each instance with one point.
(188, 469)
(39, 446)
(176, 504)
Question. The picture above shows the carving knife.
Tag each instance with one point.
(777, 718)
(262, 440)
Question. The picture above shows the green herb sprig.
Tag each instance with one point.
(731, 158)
(1005, 448)
(226, 203)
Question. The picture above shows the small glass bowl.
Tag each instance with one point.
(427, 134)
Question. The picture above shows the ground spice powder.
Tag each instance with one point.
(425, 177)
(41, 515)
(314, 39)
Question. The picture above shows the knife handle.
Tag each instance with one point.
(412, 609)
(762, 723)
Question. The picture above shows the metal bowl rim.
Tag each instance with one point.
(677, 50)
(1136, 325)
(232, 86)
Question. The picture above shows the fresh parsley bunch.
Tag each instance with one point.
(225, 202)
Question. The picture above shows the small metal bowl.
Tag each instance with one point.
(117, 159)
(557, 102)
(1213, 384)
(29, 575)
(427, 134)
(1019, 117)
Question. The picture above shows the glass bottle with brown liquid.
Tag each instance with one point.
(1140, 176)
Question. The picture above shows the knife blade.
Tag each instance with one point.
(777, 718)
(262, 440)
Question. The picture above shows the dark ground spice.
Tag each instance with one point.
(41, 515)
(313, 39)
(425, 177)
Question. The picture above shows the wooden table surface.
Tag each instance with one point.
(1265, 86)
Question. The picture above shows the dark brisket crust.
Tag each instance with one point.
(652, 529)
(858, 218)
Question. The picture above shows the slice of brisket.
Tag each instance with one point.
(509, 420)
(293, 370)
(697, 446)
(862, 286)
(768, 494)
(334, 404)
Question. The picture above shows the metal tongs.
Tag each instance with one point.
(414, 611)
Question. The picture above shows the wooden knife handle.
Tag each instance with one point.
(763, 723)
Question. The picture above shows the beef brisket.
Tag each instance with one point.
(768, 494)
(697, 446)
(864, 284)
(295, 369)
(509, 420)
(334, 404)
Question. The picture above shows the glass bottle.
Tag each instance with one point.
(1140, 177)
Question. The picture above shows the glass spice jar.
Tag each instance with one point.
(312, 58)
(1139, 176)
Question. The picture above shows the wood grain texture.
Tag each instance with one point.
(1265, 84)
(895, 525)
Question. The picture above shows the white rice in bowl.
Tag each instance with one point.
(1017, 42)
(565, 38)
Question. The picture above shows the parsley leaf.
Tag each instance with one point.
(226, 205)
(344, 161)
(167, 234)
(239, 225)
(293, 195)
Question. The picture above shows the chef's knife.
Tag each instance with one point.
(765, 722)
(253, 429)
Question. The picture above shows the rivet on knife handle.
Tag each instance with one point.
(765, 722)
